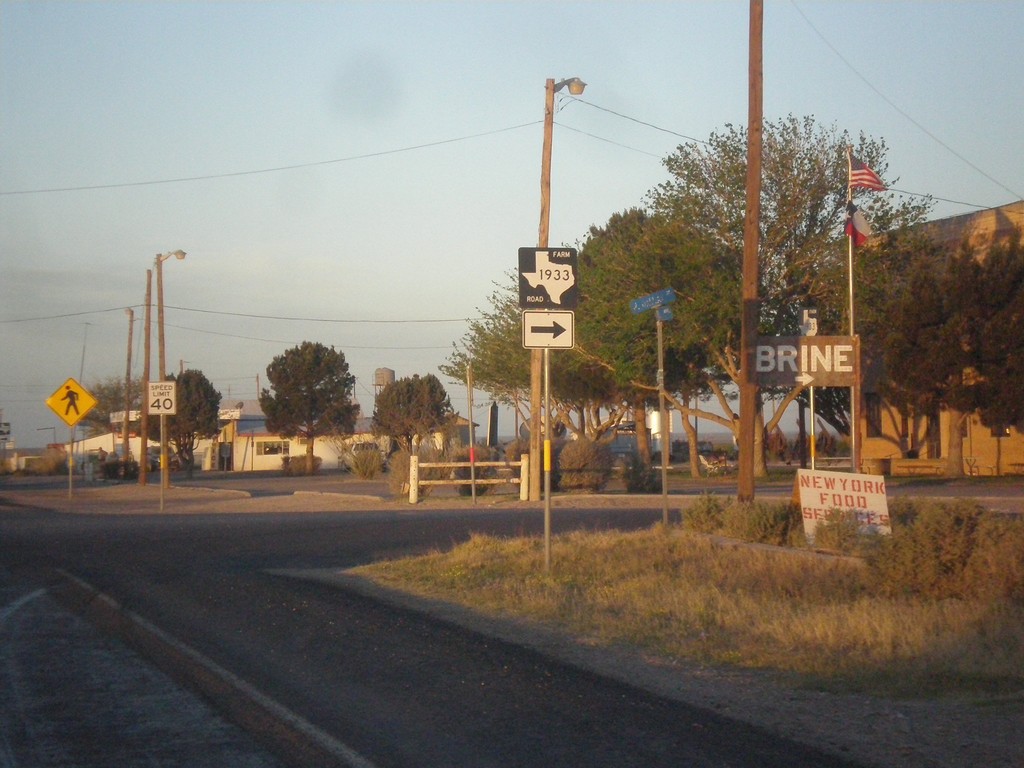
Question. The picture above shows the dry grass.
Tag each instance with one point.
(679, 595)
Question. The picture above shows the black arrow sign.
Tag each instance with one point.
(554, 329)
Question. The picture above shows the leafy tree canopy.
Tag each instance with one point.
(198, 404)
(310, 395)
(412, 408)
(109, 394)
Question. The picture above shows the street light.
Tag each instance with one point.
(165, 479)
(575, 87)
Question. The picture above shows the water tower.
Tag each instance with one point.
(381, 378)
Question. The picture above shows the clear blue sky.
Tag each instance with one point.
(410, 138)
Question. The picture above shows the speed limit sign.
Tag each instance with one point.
(163, 398)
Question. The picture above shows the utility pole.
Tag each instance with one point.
(127, 388)
(751, 243)
(144, 426)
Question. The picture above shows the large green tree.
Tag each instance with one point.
(411, 409)
(955, 339)
(198, 403)
(802, 253)
(310, 395)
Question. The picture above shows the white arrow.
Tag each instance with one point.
(804, 379)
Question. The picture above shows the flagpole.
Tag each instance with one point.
(855, 389)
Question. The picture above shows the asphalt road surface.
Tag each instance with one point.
(396, 687)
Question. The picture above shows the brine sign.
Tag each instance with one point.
(163, 398)
(810, 361)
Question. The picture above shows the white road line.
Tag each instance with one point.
(9, 610)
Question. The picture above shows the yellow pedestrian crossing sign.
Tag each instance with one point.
(71, 402)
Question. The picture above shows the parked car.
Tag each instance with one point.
(153, 460)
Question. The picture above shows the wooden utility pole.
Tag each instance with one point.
(751, 243)
(127, 388)
(144, 426)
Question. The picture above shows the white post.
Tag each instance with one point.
(414, 479)
(524, 478)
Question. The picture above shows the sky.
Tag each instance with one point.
(362, 174)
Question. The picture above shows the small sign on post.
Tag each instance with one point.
(548, 278)
(163, 398)
(71, 402)
(863, 497)
(544, 329)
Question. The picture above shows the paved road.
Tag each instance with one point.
(396, 687)
(389, 685)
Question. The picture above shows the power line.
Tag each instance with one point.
(315, 319)
(240, 314)
(281, 341)
(232, 174)
(642, 122)
(901, 111)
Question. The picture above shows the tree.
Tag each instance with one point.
(410, 409)
(310, 395)
(198, 404)
(802, 254)
(494, 345)
(109, 394)
(956, 339)
(1000, 349)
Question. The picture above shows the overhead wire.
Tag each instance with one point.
(275, 169)
(878, 92)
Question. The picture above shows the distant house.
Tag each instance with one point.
(245, 444)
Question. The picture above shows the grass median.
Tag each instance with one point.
(818, 620)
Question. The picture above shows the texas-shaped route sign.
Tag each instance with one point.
(548, 278)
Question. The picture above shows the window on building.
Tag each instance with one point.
(873, 408)
(271, 447)
(933, 437)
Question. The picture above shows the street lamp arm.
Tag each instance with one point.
(574, 84)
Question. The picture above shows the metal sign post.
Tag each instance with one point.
(163, 399)
(658, 301)
(548, 291)
(71, 402)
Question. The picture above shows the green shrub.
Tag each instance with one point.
(765, 523)
(956, 549)
(295, 466)
(483, 453)
(640, 477)
(995, 569)
(398, 473)
(704, 515)
(838, 532)
(515, 449)
(52, 462)
(365, 464)
(584, 465)
(398, 470)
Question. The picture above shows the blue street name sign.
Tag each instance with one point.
(652, 301)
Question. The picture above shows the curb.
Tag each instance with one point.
(292, 739)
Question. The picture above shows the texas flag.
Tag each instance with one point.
(857, 226)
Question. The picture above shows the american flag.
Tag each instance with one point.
(864, 177)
